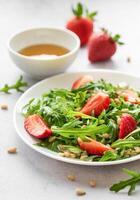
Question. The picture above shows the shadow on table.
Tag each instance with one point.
(110, 64)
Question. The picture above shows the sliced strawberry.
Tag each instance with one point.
(93, 147)
(36, 126)
(96, 104)
(126, 125)
(82, 81)
(130, 96)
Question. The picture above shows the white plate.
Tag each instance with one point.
(65, 81)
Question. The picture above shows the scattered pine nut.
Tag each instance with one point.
(71, 177)
(125, 110)
(67, 154)
(118, 120)
(4, 107)
(51, 139)
(80, 191)
(92, 183)
(137, 149)
(117, 101)
(128, 59)
(106, 135)
(12, 150)
(83, 157)
(72, 155)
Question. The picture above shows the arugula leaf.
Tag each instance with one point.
(132, 182)
(135, 134)
(131, 172)
(109, 88)
(54, 146)
(90, 131)
(73, 124)
(92, 158)
(121, 143)
(31, 108)
(87, 87)
(113, 130)
(108, 156)
(73, 149)
(80, 114)
(17, 86)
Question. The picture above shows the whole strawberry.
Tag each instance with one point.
(102, 46)
(81, 25)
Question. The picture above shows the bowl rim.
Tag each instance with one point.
(72, 34)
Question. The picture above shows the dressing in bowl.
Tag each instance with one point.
(43, 52)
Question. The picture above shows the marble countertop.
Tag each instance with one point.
(28, 174)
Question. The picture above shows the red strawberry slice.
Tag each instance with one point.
(93, 147)
(36, 127)
(130, 96)
(82, 81)
(126, 125)
(96, 104)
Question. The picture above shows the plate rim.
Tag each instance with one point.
(55, 155)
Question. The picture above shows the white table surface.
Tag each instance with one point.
(29, 175)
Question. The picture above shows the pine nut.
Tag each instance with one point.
(92, 183)
(12, 150)
(4, 107)
(80, 192)
(71, 177)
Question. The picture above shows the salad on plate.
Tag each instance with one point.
(91, 121)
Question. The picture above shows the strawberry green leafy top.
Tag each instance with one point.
(80, 10)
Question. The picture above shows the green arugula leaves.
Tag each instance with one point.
(131, 183)
(18, 86)
(60, 108)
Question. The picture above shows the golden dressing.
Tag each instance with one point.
(44, 49)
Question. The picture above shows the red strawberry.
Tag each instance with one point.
(130, 96)
(36, 127)
(82, 81)
(96, 104)
(102, 46)
(82, 26)
(126, 125)
(93, 147)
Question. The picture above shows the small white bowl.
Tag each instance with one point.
(41, 68)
